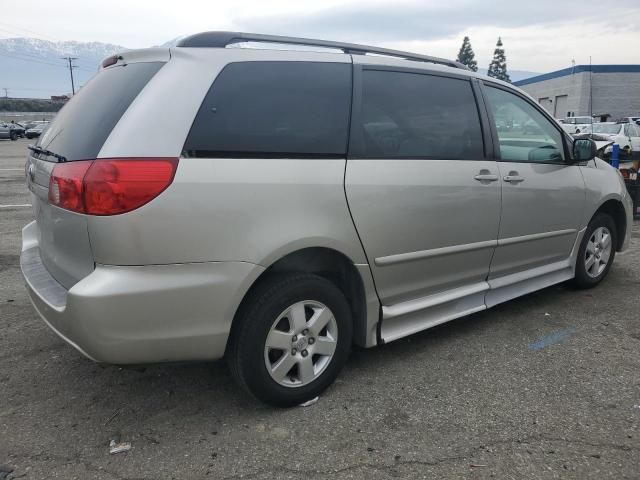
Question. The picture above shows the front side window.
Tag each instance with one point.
(274, 109)
(411, 115)
(524, 134)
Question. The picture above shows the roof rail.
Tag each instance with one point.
(222, 39)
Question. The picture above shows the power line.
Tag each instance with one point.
(16, 31)
(71, 67)
(27, 54)
(35, 59)
(32, 89)
(30, 60)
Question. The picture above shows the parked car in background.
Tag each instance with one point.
(627, 135)
(635, 120)
(6, 132)
(290, 204)
(18, 128)
(34, 123)
(37, 130)
(577, 125)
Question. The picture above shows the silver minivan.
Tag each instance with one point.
(283, 204)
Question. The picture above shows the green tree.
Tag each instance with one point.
(466, 55)
(498, 66)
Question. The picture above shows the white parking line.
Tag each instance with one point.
(12, 169)
(16, 206)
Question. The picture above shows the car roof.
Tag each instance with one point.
(219, 39)
(361, 54)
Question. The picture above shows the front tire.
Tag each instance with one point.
(597, 251)
(291, 339)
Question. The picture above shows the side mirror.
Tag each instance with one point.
(584, 149)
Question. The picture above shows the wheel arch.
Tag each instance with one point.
(614, 208)
(328, 263)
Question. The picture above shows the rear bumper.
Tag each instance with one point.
(140, 314)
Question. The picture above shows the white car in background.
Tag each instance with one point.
(627, 135)
(576, 125)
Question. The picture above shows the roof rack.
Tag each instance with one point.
(222, 39)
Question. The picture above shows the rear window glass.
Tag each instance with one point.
(274, 109)
(83, 125)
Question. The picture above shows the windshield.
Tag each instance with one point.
(606, 128)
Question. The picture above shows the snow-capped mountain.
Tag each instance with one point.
(33, 68)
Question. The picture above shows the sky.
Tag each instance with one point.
(538, 35)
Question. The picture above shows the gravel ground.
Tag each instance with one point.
(545, 386)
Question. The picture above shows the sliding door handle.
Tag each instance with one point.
(486, 177)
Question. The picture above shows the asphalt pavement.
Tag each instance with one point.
(543, 387)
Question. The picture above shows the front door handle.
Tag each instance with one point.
(513, 178)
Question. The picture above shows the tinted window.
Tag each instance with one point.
(407, 115)
(84, 123)
(277, 109)
(524, 134)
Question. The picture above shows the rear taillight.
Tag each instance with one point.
(109, 186)
(65, 185)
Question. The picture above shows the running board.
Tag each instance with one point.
(407, 318)
(512, 286)
(413, 316)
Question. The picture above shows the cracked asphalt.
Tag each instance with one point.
(546, 386)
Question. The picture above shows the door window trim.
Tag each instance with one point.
(355, 134)
(568, 158)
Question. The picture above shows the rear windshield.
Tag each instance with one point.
(83, 125)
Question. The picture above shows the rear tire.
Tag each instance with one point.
(291, 338)
(597, 251)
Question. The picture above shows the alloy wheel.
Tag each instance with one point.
(301, 343)
(598, 252)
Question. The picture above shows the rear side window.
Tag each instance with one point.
(410, 115)
(274, 109)
(83, 125)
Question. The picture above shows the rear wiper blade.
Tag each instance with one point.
(47, 153)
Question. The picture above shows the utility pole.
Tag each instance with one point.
(71, 67)
(590, 89)
(6, 92)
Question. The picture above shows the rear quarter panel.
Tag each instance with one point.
(250, 210)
